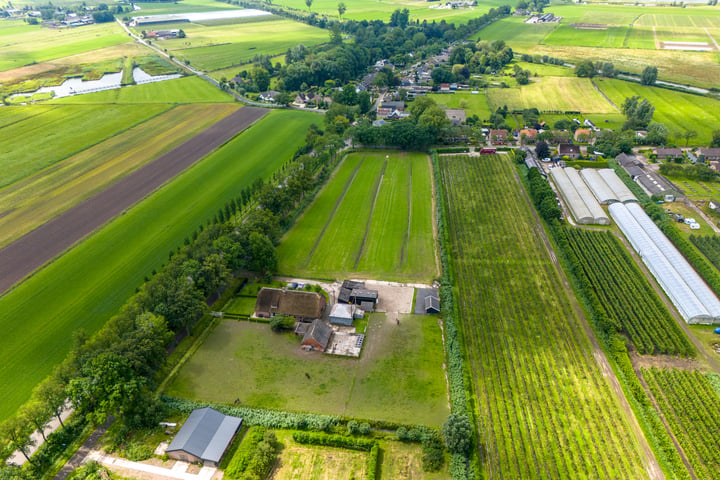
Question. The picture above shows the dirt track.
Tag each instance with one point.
(28, 253)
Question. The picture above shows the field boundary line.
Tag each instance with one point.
(629, 30)
(592, 80)
(335, 209)
(378, 184)
(657, 43)
(712, 39)
(52, 107)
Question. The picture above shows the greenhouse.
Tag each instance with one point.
(687, 291)
(582, 205)
(598, 186)
(598, 214)
(621, 191)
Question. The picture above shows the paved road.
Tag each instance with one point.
(35, 249)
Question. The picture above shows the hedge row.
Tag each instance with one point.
(453, 150)
(587, 164)
(244, 453)
(341, 441)
(258, 416)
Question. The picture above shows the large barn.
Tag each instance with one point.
(204, 437)
(301, 305)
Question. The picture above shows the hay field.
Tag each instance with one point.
(678, 111)
(515, 32)
(40, 141)
(612, 37)
(222, 46)
(552, 94)
(89, 283)
(373, 219)
(24, 47)
(399, 376)
(28, 204)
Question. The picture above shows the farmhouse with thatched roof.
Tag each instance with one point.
(301, 305)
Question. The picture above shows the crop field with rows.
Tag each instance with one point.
(709, 245)
(545, 410)
(689, 403)
(625, 294)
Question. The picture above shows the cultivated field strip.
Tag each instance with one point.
(625, 294)
(42, 140)
(689, 404)
(29, 203)
(89, 283)
(373, 219)
(545, 409)
(41, 245)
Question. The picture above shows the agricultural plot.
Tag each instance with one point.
(374, 219)
(181, 90)
(676, 110)
(398, 378)
(473, 104)
(558, 94)
(29, 203)
(685, 400)
(41, 44)
(221, 46)
(625, 295)
(86, 285)
(640, 37)
(679, 18)
(611, 37)
(317, 463)
(545, 409)
(698, 190)
(39, 141)
(515, 32)
(709, 245)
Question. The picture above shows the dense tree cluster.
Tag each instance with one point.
(543, 196)
(639, 113)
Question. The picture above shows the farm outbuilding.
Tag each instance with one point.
(360, 295)
(432, 304)
(298, 304)
(317, 336)
(687, 291)
(582, 204)
(341, 314)
(204, 437)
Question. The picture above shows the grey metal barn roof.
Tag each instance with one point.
(206, 434)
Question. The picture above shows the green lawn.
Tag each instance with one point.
(181, 90)
(398, 378)
(39, 44)
(41, 140)
(241, 305)
(473, 104)
(552, 94)
(372, 220)
(221, 46)
(88, 284)
(678, 111)
(29, 203)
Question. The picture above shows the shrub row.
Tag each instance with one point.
(543, 196)
(587, 164)
(243, 454)
(453, 150)
(260, 417)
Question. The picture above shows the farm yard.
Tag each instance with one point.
(399, 377)
(684, 399)
(373, 219)
(86, 286)
(27, 204)
(216, 47)
(545, 408)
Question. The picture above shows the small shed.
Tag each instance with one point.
(360, 295)
(317, 336)
(367, 306)
(432, 304)
(204, 437)
(341, 314)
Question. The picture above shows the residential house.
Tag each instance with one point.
(569, 150)
(498, 137)
(710, 154)
(583, 135)
(387, 109)
(528, 134)
(665, 153)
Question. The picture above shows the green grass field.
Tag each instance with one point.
(181, 90)
(40, 141)
(516, 33)
(678, 111)
(473, 104)
(640, 37)
(28, 204)
(552, 94)
(184, 6)
(222, 46)
(88, 284)
(398, 378)
(545, 408)
(24, 46)
(372, 220)
(613, 37)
